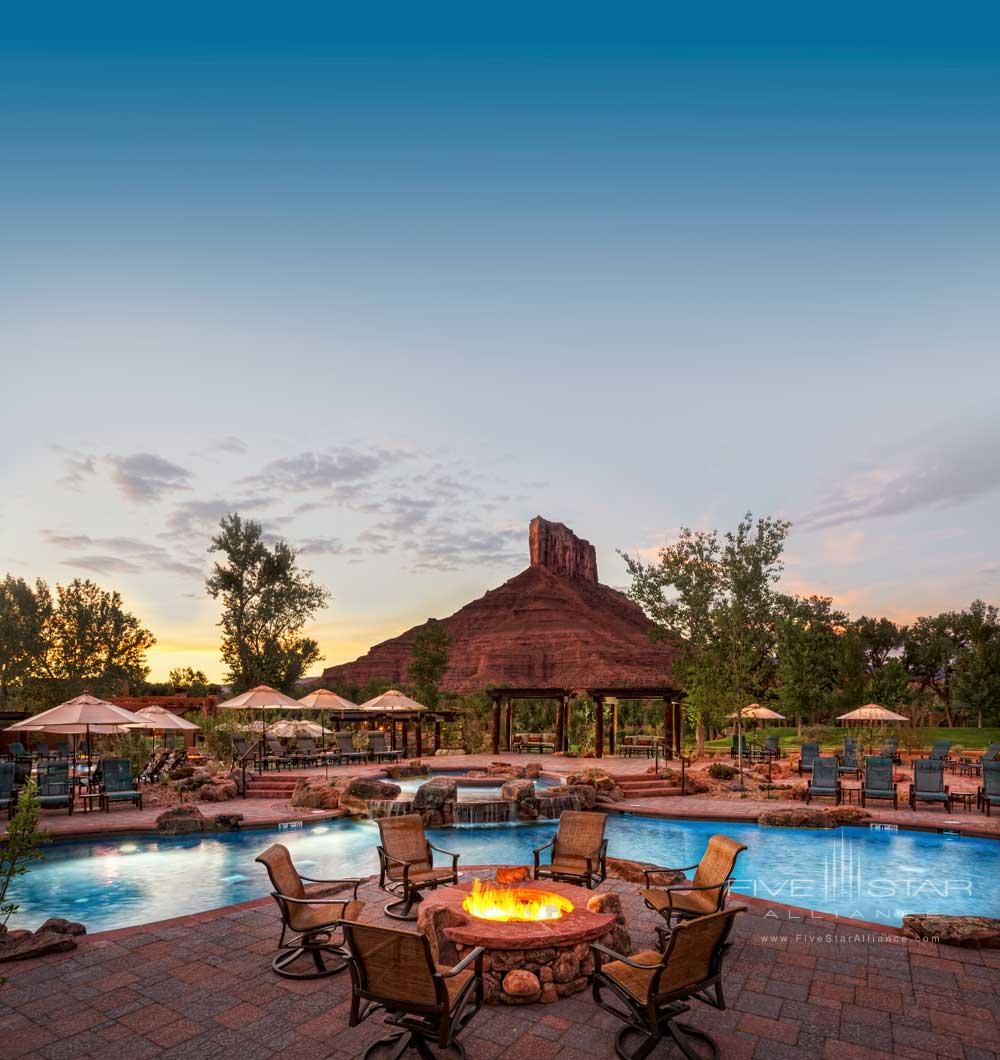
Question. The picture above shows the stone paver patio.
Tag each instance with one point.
(201, 987)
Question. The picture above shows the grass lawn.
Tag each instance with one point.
(971, 739)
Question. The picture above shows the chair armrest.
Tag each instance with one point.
(314, 901)
(545, 846)
(608, 952)
(475, 955)
(357, 882)
(441, 850)
(384, 858)
(652, 872)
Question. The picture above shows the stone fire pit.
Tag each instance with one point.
(526, 961)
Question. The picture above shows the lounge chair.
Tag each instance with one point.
(406, 864)
(54, 788)
(154, 767)
(7, 796)
(579, 850)
(310, 915)
(117, 784)
(878, 782)
(17, 752)
(988, 794)
(242, 751)
(890, 749)
(928, 783)
(849, 763)
(939, 752)
(809, 754)
(991, 754)
(772, 747)
(825, 781)
(704, 894)
(378, 748)
(652, 989)
(734, 747)
(345, 742)
(305, 752)
(276, 756)
(395, 972)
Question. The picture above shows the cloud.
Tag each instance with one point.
(944, 475)
(231, 444)
(78, 468)
(329, 469)
(195, 521)
(119, 555)
(991, 570)
(326, 546)
(145, 477)
(446, 548)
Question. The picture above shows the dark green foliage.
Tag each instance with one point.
(19, 848)
(720, 771)
(428, 662)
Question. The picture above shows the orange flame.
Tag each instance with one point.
(514, 903)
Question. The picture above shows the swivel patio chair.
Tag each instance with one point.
(928, 783)
(706, 893)
(348, 753)
(310, 916)
(379, 750)
(878, 782)
(394, 972)
(117, 784)
(825, 781)
(55, 790)
(652, 989)
(406, 864)
(939, 752)
(849, 763)
(810, 752)
(7, 795)
(579, 850)
(988, 794)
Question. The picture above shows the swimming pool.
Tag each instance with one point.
(849, 872)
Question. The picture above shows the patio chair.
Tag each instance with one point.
(991, 754)
(939, 752)
(117, 784)
(7, 796)
(878, 782)
(849, 763)
(276, 756)
(395, 972)
(54, 788)
(17, 752)
(305, 752)
(241, 749)
(704, 894)
(380, 750)
(154, 767)
(310, 916)
(825, 781)
(734, 747)
(988, 794)
(579, 850)
(928, 783)
(406, 864)
(890, 749)
(652, 989)
(345, 742)
(809, 754)
(772, 746)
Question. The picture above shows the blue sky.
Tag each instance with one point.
(395, 286)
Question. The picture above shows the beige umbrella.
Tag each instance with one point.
(325, 700)
(758, 713)
(871, 712)
(261, 698)
(392, 702)
(293, 728)
(83, 714)
(159, 719)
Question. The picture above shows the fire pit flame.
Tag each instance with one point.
(487, 902)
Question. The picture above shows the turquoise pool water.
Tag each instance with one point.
(873, 876)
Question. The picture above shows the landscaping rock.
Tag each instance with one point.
(609, 902)
(218, 791)
(367, 788)
(405, 770)
(181, 820)
(62, 926)
(521, 987)
(631, 871)
(521, 792)
(969, 932)
(812, 816)
(228, 822)
(432, 921)
(435, 801)
(35, 944)
(586, 793)
(316, 793)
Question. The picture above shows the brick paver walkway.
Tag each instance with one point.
(202, 987)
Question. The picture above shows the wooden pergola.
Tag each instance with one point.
(503, 714)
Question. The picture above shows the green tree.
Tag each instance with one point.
(890, 685)
(189, 681)
(428, 662)
(977, 666)
(24, 614)
(880, 638)
(808, 633)
(267, 599)
(19, 847)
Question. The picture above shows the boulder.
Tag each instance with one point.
(228, 822)
(367, 788)
(35, 944)
(849, 814)
(405, 770)
(969, 932)
(315, 793)
(521, 792)
(521, 987)
(435, 801)
(62, 926)
(631, 871)
(811, 816)
(218, 791)
(586, 793)
(618, 938)
(181, 820)
(432, 921)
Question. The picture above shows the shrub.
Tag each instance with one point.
(720, 771)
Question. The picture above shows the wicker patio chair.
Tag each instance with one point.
(380, 750)
(579, 850)
(825, 781)
(704, 894)
(809, 754)
(394, 972)
(345, 742)
(928, 783)
(406, 864)
(117, 784)
(988, 794)
(653, 989)
(7, 796)
(878, 782)
(310, 917)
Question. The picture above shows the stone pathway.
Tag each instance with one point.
(201, 987)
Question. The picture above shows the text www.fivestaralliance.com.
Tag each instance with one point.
(836, 936)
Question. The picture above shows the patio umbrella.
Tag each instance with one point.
(394, 705)
(159, 719)
(289, 728)
(327, 702)
(261, 698)
(758, 713)
(871, 712)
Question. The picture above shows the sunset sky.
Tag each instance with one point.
(395, 287)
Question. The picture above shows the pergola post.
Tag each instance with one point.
(392, 733)
(437, 735)
(406, 735)
(509, 726)
(496, 725)
(678, 729)
(598, 727)
(560, 723)
(613, 730)
(420, 736)
(668, 729)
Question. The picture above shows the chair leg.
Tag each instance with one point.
(682, 1033)
(289, 956)
(403, 908)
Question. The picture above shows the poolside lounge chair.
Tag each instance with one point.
(878, 783)
(310, 915)
(734, 747)
(276, 756)
(117, 784)
(939, 752)
(241, 749)
(395, 972)
(305, 752)
(849, 763)
(988, 794)
(825, 781)
(991, 754)
(16, 751)
(579, 850)
(378, 748)
(890, 749)
(7, 796)
(154, 767)
(652, 989)
(928, 783)
(810, 752)
(345, 741)
(772, 747)
(54, 788)
(704, 894)
(406, 864)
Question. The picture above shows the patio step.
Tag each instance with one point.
(269, 786)
(646, 787)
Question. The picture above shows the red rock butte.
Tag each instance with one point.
(553, 625)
